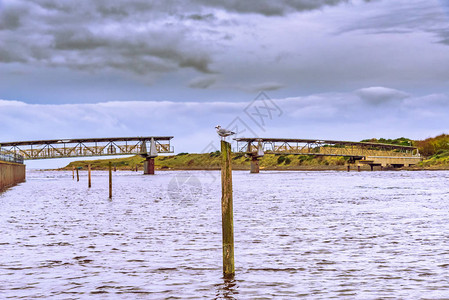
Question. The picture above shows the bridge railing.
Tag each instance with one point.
(10, 157)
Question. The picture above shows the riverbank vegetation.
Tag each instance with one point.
(211, 161)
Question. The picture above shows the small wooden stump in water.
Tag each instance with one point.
(89, 184)
(227, 217)
(110, 180)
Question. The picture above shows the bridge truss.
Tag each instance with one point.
(45, 149)
(10, 157)
(356, 150)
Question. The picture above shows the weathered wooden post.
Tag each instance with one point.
(89, 184)
(110, 180)
(358, 168)
(349, 168)
(77, 174)
(227, 217)
(73, 173)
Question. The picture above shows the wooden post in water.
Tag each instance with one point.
(89, 184)
(358, 168)
(110, 180)
(227, 217)
(77, 175)
(73, 173)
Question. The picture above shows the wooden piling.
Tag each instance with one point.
(110, 180)
(358, 168)
(349, 168)
(77, 175)
(227, 217)
(89, 184)
(73, 173)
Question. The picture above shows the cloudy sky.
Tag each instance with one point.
(333, 69)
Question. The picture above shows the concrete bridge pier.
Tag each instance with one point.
(255, 157)
(254, 164)
(148, 166)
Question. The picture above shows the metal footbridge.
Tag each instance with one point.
(148, 147)
(373, 154)
(63, 148)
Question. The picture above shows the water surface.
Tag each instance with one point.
(316, 235)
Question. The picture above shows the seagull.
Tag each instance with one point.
(223, 132)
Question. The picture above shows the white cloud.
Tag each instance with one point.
(324, 116)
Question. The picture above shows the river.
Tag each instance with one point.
(316, 235)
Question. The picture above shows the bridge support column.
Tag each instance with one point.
(254, 164)
(148, 166)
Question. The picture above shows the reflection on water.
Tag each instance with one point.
(351, 235)
(227, 290)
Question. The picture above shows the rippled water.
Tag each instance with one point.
(313, 234)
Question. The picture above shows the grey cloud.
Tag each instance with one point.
(202, 82)
(381, 95)
(87, 35)
(116, 34)
(404, 17)
(202, 17)
(267, 7)
(10, 17)
(265, 86)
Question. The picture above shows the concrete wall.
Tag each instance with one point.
(389, 161)
(11, 174)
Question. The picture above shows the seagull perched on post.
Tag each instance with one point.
(223, 132)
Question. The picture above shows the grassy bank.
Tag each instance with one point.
(211, 161)
(438, 161)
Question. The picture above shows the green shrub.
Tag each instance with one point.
(281, 159)
(214, 154)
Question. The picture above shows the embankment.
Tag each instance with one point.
(11, 174)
